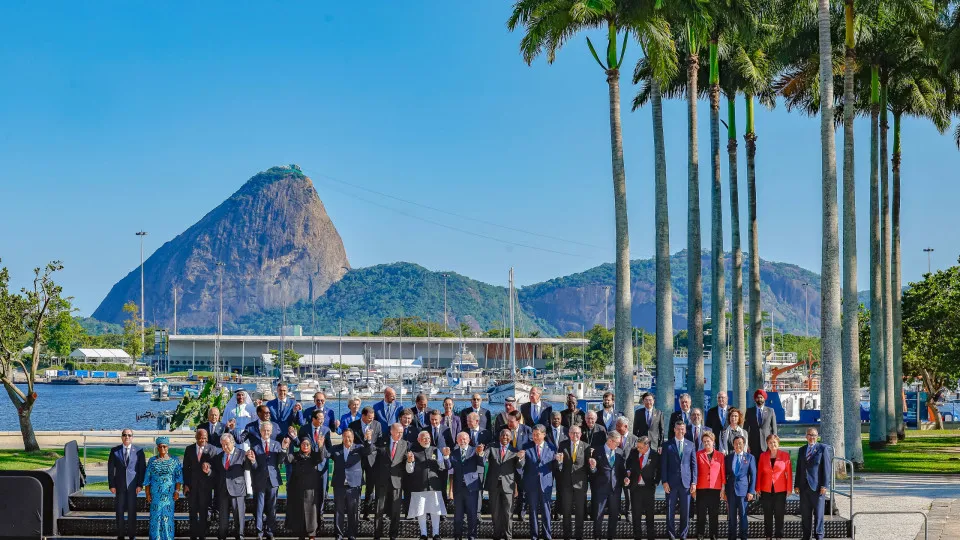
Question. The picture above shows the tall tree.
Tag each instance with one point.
(878, 372)
(831, 388)
(736, 267)
(718, 341)
(547, 25)
(23, 319)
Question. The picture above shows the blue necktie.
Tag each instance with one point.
(736, 465)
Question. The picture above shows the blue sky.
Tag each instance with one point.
(119, 116)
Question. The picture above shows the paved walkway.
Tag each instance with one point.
(888, 493)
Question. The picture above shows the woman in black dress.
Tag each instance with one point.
(303, 490)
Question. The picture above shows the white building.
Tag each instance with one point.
(101, 356)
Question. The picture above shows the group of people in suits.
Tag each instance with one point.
(533, 461)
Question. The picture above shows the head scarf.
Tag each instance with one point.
(163, 440)
(760, 392)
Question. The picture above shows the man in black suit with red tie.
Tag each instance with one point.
(197, 485)
(643, 475)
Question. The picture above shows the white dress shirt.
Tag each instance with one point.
(243, 414)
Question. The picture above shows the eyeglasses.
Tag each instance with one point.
(126, 434)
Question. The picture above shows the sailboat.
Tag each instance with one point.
(499, 391)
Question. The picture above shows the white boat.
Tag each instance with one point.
(306, 389)
(144, 384)
(288, 376)
(159, 390)
(464, 373)
(498, 393)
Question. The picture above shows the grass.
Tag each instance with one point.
(921, 452)
(18, 460)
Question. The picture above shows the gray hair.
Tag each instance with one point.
(541, 428)
(623, 420)
(572, 428)
(556, 414)
(613, 436)
(594, 413)
(266, 427)
(696, 410)
(684, 396)
(227, 437)
(644, 439)
(473, 416)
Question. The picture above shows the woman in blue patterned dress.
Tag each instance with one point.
(162, 486)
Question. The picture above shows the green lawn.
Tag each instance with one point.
(921, 452)
(18, 460)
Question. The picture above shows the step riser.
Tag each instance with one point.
(75, 526)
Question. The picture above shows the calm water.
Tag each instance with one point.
(93, 407)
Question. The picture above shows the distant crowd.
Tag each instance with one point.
(414, 461)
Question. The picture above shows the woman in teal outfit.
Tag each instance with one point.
(162, 486)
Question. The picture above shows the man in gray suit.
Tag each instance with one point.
(228, 467)
(265, 460)
(760, 422)
(126, 468)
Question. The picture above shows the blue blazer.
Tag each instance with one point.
(266, 469)
(813, 473)
(484, 436)
(745, 482)
(467, 472)
(380, 413)
(349, 472)
(538, 474)
(524, 436)
(251, 433)
(283, 413)
(441, 442)
(306, 416)
(677, 469)
(346, 419)
(130, 475)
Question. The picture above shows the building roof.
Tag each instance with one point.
(100, 353)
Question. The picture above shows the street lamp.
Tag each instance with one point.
(216, 359)
(606, 308)
(143, 344)
(928, 251)
(444, 302)
(806, 313)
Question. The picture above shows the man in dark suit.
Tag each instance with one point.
(592, 432)
(572, 481)
(477, 434)
(410, 431)
(265, 460)
(811, 481)
(571, 416)
(390, 470)
(251, 433)
(760, 422)
(696, 429)
(608, 415)
(520, 435)
(435, 430)
(500, 420)
(648, 421)
(684, 413)
(368, 422)
(197, 486)
(126, 468)
(607, 474)
(627, 442)
(475, 407)
(556, 433)
(466, 468)
(537, 482)
(320, 404)
(228, 467)
(643, 475)
(348, 459)
(421, 414)
(388, 410)
(741, 488)
(503, 464)
(678, 472)
(319, 435)
(717, 416)
(536, 411)
(285, 409)
(213, 427)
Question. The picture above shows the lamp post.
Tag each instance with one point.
(445, 302)
(143, 345)
(806, 313)
(220, 265)
(606, 308)
(928, 251)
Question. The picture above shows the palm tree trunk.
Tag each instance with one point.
(851, 304)
(897, 288)
(664, 289)
(878, 373)
(622, 346)
(831, 386)
(736, 274)
(886, 300)
(718, 320)
(695, 373)
(756, 316)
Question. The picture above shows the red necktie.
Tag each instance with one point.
(316, 436)
(642, 456)
(503, 453)
(227, 464)
(393, 449)
(266, 448)
(538, 452)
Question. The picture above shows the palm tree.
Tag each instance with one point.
(878, 373)
(831, 388)
(736, 275)
(548, 24)
(850, 329)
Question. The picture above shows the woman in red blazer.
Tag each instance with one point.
(774, 482)
(711, 477)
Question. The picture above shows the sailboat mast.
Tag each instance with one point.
(513, 341)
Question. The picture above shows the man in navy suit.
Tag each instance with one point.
(536, 411)
(607, 473)
(538, 481)
(320, 404)
(126, 468)
(696, 429)
(436, 431)
(811, 481)
(421, 413)
(348, 459)
(684, 412)
(284, 409)
(556, 433)
(475, 407)
(678, 471)
(476, 434)
(387, 411)
(265, 459)
(466, 468)
(741, 488)
(213, 426)
(251, 433)
(648, 421)
(319, 435)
